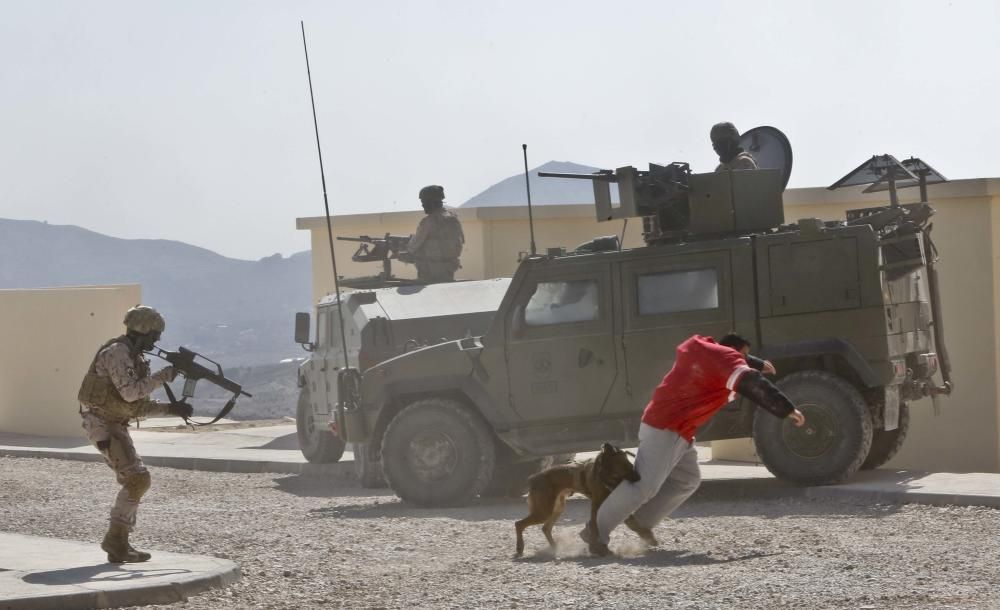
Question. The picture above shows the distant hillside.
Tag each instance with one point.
(544, 191)
(236, 311)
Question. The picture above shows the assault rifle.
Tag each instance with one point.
(186, 363)
(372, 249)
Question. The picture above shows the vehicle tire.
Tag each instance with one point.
(832, 444)
(318, 444)
(886, 444)
(436, 452)
(368, 471)
(510, 479)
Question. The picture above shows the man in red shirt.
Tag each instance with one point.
(706, 375)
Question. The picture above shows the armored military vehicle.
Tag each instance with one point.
(379, 324)
(847, 310)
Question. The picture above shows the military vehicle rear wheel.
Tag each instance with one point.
(886, 444)
(318, 444)
(368, 471)
(437, 453)
(510, 479)
(834, 441)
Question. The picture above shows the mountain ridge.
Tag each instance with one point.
(238, 311)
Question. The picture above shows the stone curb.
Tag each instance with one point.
(339, 470)
(711, 489)
(771, 489)
(177, 590)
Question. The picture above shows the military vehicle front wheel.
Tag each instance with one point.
(437, 453)
(368, 471)
(317, 442)
(886, 444)
(832, 444)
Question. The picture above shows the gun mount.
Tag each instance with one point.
(374, 249)
(677, 204)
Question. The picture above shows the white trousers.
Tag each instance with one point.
(668, 469)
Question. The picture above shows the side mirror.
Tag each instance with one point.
(302, 324)
(517, 322)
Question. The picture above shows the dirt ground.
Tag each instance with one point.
(306, 543)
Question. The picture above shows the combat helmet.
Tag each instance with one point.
(433, 192)
(144, 319)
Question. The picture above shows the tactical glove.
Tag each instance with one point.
(167, 374)
(180, 409)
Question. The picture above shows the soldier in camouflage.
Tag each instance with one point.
(116, 389)
(726, 142)
(436, 246)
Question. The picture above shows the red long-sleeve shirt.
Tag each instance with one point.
(702, 380)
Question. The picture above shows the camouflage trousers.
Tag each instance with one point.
(113, 441)
(432, 272)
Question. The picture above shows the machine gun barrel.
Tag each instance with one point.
(603, 176)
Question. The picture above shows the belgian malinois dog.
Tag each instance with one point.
(595, 478)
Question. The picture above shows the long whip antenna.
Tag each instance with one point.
(527, 185)
(326, 201)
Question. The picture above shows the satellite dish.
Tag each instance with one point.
(770, 149)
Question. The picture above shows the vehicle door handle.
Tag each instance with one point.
(584, 357)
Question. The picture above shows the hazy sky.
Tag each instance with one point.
(191, 120)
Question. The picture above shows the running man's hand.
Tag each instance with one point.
(797, 418)
(768, 368)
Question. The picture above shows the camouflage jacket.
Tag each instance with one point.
(439, 237)
(118, 383)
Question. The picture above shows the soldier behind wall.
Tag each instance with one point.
(726, 143)
(437, 245)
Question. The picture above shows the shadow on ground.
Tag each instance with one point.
(732, 498)
(652, 558)
(104, 572)
(288, 441)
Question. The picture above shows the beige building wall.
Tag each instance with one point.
(50, 336)
(965, 437)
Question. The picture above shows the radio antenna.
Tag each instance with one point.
(326, 201)
(527, 186)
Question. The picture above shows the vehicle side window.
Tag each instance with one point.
(678, 291)
(322, 323)
(562, 303)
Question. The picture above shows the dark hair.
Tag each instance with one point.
(734, 341)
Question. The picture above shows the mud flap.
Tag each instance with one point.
(890, 415)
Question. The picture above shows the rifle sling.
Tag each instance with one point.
(224, 412)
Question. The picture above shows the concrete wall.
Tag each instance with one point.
(49, 338)
(965, 437)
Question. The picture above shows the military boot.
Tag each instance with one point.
(644, 532)
(595, 546)
(116, 545)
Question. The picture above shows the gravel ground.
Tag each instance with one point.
(306, 543)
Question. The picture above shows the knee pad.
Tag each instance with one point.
(138, 484)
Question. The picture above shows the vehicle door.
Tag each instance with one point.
(561, 348)
(666, 299)
(323, 382)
